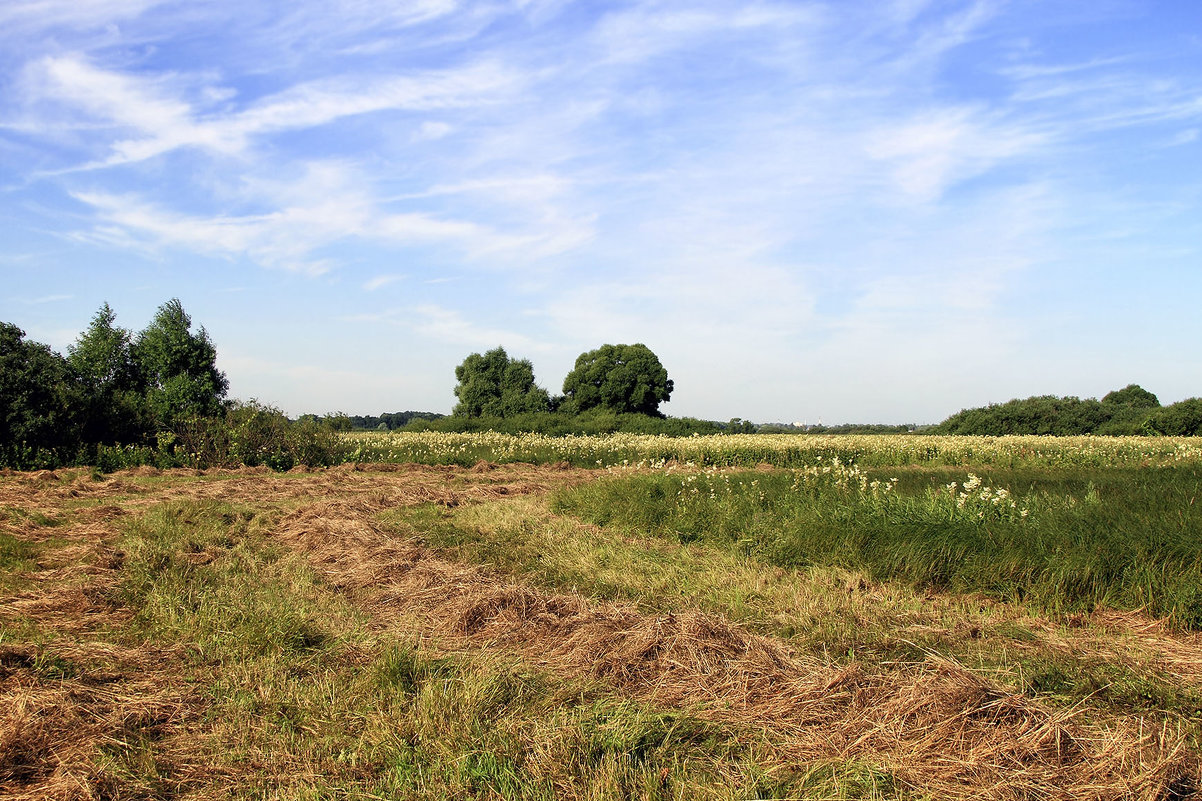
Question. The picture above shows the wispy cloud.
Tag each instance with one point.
(451, 326)
(164, 120)
(381, 281)
(24, 17)
(45, 299)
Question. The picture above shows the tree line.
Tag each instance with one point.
(119, 398)
(1130, 410)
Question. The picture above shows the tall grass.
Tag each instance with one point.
(1123, 537)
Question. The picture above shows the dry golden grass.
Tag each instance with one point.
(935, 724)
(938, 727)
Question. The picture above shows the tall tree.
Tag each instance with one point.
(493, 385)
(114, 407)
(621, 378)
(178, 367)
(38, 395)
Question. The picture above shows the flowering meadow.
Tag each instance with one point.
(779, 450)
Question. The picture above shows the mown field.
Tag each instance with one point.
(592, 618)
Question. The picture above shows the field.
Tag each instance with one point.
(481, 616)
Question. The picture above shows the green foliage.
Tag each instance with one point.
(1123, 411)
(178, 367)
(493, 385)
(619, 378)
(337, 421)
(1132, 395)
(253, 434)
(38, 401)
(1125, 537)
(1044, 414)
(1182, 419)
(389, 421)
(114, 404)
(117, 402)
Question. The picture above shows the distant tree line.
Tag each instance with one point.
(155, 397)
(1130, 410)
(388, 421)
(842, 428)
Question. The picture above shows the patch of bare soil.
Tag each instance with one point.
(936, 725)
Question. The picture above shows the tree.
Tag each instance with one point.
(38, 396)
(493, 385)
(1181, 419)
(114, 407)
(621, 378)
(1132, 395)
(178, 368)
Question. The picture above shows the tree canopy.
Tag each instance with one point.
(114, 408)
(37, 394)
(1123, 411)
(178, 367)
(621, 378)
(494, 385)
(1132, 395)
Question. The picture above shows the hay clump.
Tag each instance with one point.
(66, 712)
(934, 724)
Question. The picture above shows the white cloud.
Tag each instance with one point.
(165, 120)
(327, 204)
(451, 327)
(24, 18)
(381, 281)
(1184, 138)
(932, 151)
(431, 130)
(46, 299)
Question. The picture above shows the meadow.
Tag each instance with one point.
(521, 617)
(778, 450)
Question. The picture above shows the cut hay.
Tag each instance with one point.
(64, 735)
(935, 725)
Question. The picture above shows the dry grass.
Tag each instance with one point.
(75, 718)
(77, 713)
(936, 725)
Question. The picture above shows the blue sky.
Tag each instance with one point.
(837, 211)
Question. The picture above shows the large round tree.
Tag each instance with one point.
(494, 385)
(621, 378)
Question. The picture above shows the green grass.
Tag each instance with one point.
(15, 553)
(1128, 538)
(828, 611)
(306, 700)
